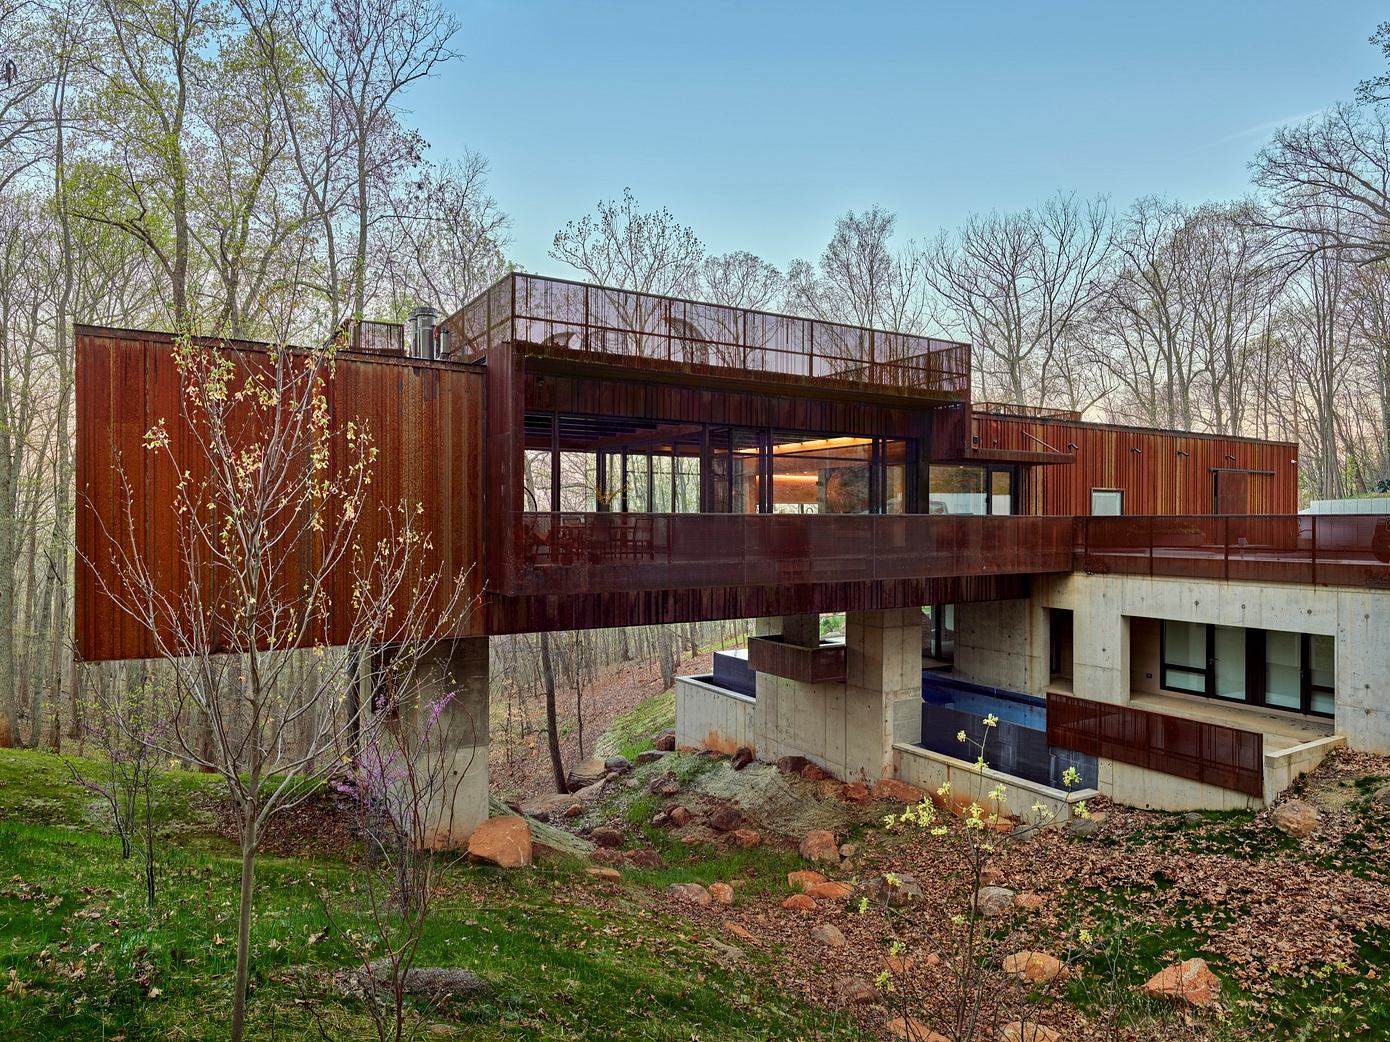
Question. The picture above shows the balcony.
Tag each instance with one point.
(1318, 550)
(618, 552)
(571, 320)
(777, 657)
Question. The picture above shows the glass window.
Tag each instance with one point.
(820, 475)
(1185, 656)
(1283, 675)
(1322, 657)
(537, 478)
(1001, 492)
(896, 471)
(958, 490)
(1229, 642)
(1107, 502)
(578, 482)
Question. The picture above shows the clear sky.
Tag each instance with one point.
(758, 122)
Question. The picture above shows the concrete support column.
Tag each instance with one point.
(883, 690)
(451, 750)
(1003, 644)
(803, 630)
(1100, 648)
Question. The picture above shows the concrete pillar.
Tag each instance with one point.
(450, 750)
(883, 690)
(1003, 644)
(803, 630)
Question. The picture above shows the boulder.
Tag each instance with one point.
(680, 817)
(651, 756)
(643, 858)
(722, 893)
(604, 873)
(606, 836)
(664, 784)
(725, 818)
(912, 1030)
(814, 772)
(856, 792)
(897, 791)
(830, 890)
(1083, 828)
(618, 764)
(1189, 982)
(828, 934)
(503, 841)
(819, 845)
(435, 984)
(606, 856)
(855, 991)
(804, 879)
(792, 764)
(660, 819)
(690, 893)
(665, 742)
(799, 903)
(1035, 967)
(1296, 818)
(993, 901)
(585, 773)
(742, 757)
(1027, 1031)
(899, 965)
(905, 891)
(746, 838)
(543, 807)
(1381, 798)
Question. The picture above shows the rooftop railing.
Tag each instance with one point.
(564, 316)
(1317, 549)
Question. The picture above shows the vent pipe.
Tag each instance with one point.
(421, 331)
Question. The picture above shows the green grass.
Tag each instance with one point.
(632, 731)
(81, 958)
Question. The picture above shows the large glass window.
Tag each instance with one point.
(821, 475)
(1229, 663)
(1283, 671)
(958, 490)
(1321, 674)
(1290, 671)
(1185, 656)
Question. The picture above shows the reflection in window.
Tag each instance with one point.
(958, 490)
(1283, 672)
(1321, 674)
(820, 475)
(1185, 656)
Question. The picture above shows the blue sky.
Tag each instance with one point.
(757, 123)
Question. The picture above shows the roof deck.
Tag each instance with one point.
(580, 322)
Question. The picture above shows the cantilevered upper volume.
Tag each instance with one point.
(602, 326)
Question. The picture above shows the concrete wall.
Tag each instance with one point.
(709, 717)
(1003, 644)
(929, 770)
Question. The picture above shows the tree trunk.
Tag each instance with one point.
(243, 936)
(552, 725)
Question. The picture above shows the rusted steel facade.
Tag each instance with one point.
(1159, 472)
(778, 658)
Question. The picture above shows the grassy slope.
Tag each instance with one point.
(80, 958)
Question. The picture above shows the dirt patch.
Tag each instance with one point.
(322, 826)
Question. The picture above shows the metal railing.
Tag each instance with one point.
(1212, 754)
(1316, 549)
(563, 316)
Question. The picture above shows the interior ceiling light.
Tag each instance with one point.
(810, 446)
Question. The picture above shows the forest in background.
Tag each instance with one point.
(244, 169)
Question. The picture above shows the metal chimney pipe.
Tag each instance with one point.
(422, 323)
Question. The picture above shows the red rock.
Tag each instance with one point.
(679, 816)
(913, 1030)
(1035, 967)
(738, 931)
(604, 873)
(799, 903)
(692, 893)
(1189, 982)
(814, 772)
(503, 841)
(644, 858)
(899, 965)
(742, 757)
(991, 875)
(666, 742)
(574, 810)
(606, 856)
(855, 792)
(855, 991)
(897, 791)
(1028, 902)
(1027, 1031)
(722, 893)
(820, 846)
(830, 890)
(607, 837)
(725, 818)
(746, 838)
(792, 764)
(804, 879)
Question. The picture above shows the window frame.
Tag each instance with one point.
(1115, 491)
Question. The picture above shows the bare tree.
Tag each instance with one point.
(624, 246)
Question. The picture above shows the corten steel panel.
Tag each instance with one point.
(1160, 472)
(1203, 752)
(1320, 550)
(778, 658)
(637, 331)
(424, 419)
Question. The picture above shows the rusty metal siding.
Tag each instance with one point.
(1160, 472)
(425, 420)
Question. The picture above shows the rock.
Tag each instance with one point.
(1192, 819)
(828, 934)
(849, 849)
(618, 764)
(1189, 982)
(605, 856)
(726, 952)
(665, 742)
(1027, 1031)
(644, 858)
(574, 810)
(899, 965)
(993, 901)
(605, 836)
(742, 757)
(1295, 818)
(434, 983)
(725, 818)
(738, 931)
(897, 791)
(651, 756)
(1035, 967)
(933, 959)
(586, 772)
(804, 880)
(855, 991)
(830, 891)
(1082, 828)
(799, 903)
(722, 893)
(1028, 902)
(856, 792)
(814, 772)
(906, 891)
(991, 875)
(820, 845)
(664, 784)
(660, 819)
(746, 838)
(590, 792)
(680, 817)
(1381, 799)
(503, 841)
(691, 893)
(792, 764)
(604, 873)
(913, 1030)
(543, 807)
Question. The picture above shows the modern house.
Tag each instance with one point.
(1147, 606)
